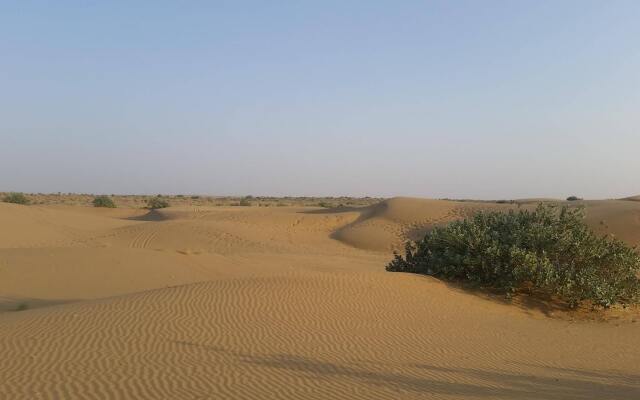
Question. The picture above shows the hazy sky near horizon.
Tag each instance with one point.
(464, 99)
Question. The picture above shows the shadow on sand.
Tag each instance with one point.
(151, 216)
(28, 303)
(537, 382)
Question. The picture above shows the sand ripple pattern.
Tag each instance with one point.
(257, 303)
(307, 336)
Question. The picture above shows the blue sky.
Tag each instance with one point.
(474, 99)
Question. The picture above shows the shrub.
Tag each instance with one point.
(157, 202)
(103, 201)
(245, 201)
(16, 198)
(550, 251)
(324, 204)
(573, 198)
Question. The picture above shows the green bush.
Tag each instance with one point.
(573, 198)
(103, 201)
(16, 198)
(245, 201)
(549, 251)
(157, 202)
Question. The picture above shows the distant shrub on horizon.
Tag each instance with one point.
(157, 202)
(16, 198)
(244, 202)
(103, 201)
(573, 198)
(548, 252)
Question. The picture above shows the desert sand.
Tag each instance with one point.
(203, 302)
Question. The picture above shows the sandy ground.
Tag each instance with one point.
(280, 302)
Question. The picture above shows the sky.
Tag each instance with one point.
(456, 99)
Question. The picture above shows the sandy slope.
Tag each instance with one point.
(618, 218)
(632, 198)
(385, 226)
(260, 303)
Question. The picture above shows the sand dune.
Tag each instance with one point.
(257, 303)
(632, 198)
(385, 226)
(52, 226)
(311, 335)
(618, 218)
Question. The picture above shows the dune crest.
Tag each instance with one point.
(387, 225)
